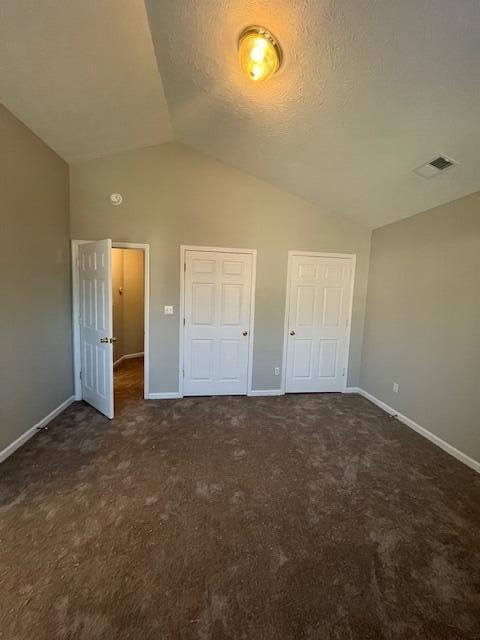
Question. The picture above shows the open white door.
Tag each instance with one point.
(96, 324)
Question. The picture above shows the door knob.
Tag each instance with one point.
(292, 333)
(245, 333)
(103, 340)
(112, 340)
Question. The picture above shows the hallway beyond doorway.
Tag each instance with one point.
(128, 383)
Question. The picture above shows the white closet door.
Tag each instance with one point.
(318, 323)
(217, 322)
(96, 325)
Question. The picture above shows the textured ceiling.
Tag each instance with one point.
(370, 90)
(82, 74)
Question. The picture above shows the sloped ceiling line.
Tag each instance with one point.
(368, 92)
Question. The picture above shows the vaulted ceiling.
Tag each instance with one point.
(369, 90)
(82, 75)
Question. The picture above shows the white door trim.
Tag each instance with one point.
(315, 254)
(76, 307)
(183, 250)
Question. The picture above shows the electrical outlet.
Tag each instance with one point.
(168, 310)
(395, 387)
(277, 371)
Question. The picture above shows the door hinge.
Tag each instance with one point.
(184, 266)
(184, 322)
(343, 371)
(184, 373)
(80, 375)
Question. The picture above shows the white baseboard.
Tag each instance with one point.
(352, 390)
(165, 395)
(168, 395)
(13, 446)
(127, 356)
(453, 451)
(265, 392)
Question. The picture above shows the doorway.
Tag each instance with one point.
(317, 321)
(110, 322)
(217, 298)
(128, 307)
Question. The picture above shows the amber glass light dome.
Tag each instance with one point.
(259, 53)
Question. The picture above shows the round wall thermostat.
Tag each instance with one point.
(116, 198)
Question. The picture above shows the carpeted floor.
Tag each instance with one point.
(303, 516)
(128, 384)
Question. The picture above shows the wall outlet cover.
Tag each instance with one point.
(168, 310)
(395, 387)
(277, 371)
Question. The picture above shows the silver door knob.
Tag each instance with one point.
(292, 333)
(245, 333)
(112, 340)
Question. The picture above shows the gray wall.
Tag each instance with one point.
(128, 306)
(173, 196)
(35, 319)
(117, 303)
(133, 304)
(423, 321)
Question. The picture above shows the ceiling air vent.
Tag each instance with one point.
(434, 167)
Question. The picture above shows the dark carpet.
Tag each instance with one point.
(303, 516)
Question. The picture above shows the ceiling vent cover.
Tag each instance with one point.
(441, 163)
(434, 167)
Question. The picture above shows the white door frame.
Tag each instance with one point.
(183, 250)
(76, 310)
(316, 254)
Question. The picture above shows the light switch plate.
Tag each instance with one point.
(168, 310)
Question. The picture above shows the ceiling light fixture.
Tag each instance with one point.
(259, 53)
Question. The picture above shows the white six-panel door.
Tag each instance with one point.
(95, 280)
(319, 296)
(217, 304)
